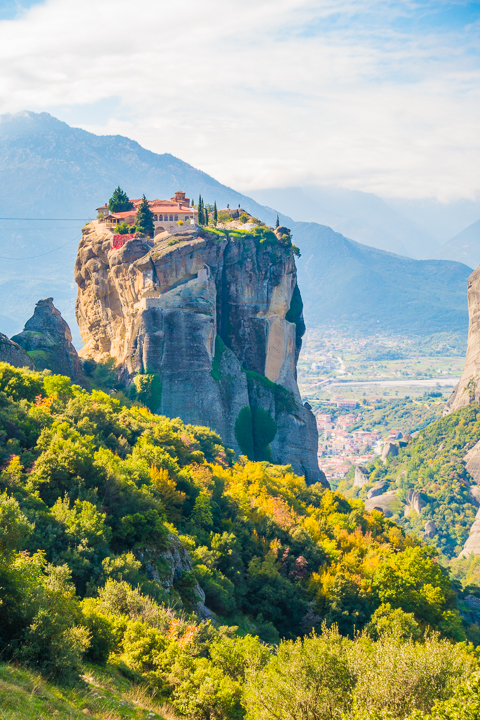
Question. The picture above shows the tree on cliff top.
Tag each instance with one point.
(119, 202)
(144, 221)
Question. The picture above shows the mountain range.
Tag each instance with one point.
(417, 228)
(464, 247)
(53, 176)
(365, 217)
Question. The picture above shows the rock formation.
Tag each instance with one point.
(384, 502)
(474, 493)
(389, 450)
(48, 341)
(176, 562)
(472, 544)
(430, 529)
(216, 316)
(361, 476)
(468, 388)
(12, 353)
(377, 489)
(414, 501)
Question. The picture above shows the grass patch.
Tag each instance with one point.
(101, 694)
(219, 350)
(39, 357)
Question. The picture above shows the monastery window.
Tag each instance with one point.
(176, 217)
(155, 217)
(171, 217)
(160, 217)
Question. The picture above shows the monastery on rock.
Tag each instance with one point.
(167, 214)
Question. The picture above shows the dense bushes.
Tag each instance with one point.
(99, 504)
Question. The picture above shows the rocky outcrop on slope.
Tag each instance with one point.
(389, 449)
(414, 502)
(472, 544)
(175, 562)
(12, 353)
(377, 489)
(361, 476)
(467, 389)
(386, 503)
(48, 341)
(217, 316)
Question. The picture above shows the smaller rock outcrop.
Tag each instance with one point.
(430, 529)
(415, 502)
(472, 544)
(377, 489)
(48, 341)
(361, 476)
(385, 503)
(474, 492)
(13, 354)
(177, 560)
(389, 450)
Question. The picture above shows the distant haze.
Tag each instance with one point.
(50, 170)
(366, 94)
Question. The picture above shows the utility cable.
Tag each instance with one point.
(32, 257)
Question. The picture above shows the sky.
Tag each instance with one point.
(369, 95)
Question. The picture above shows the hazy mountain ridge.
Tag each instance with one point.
(345, 281)
(362, 216)
(464, 247)
(48, 169)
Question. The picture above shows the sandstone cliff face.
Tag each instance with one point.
(468, 388)
(47, 339)
(217, 317)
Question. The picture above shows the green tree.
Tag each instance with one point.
(215, 212)
(147, 389)
(14, 526)
(303, 680)
(201, 211)
(144, 220)
(277, 222)
(119, 202)
(254, 430)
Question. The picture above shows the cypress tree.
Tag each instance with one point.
(119, 202)
(206, 216)
(144, 221)
(215, 213)
(201, 215)
(277, 223)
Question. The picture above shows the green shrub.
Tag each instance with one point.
(20, 384)
(14, 525)
(147, 389)
(219, 590)
(255, 429)
(244, 432)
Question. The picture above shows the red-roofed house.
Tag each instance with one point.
(167, 214)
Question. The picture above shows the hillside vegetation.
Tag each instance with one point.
(433, 464)
(100, 503)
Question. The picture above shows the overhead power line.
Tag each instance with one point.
(49, 252)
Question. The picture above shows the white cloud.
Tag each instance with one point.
(263, 92)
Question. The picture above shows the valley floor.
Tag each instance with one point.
(366, 390)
